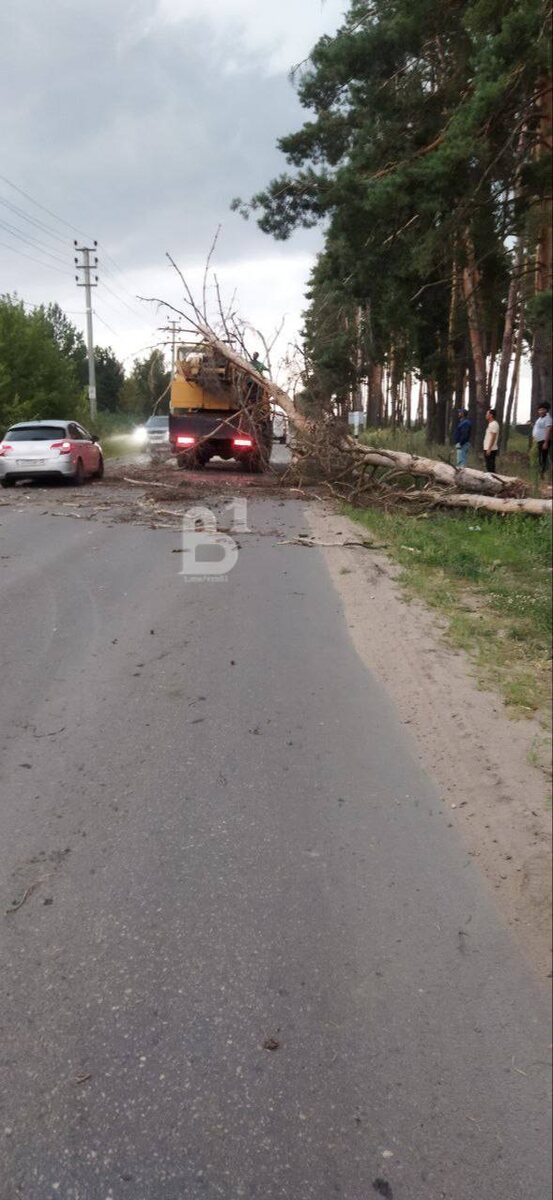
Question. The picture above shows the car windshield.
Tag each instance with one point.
(157, 422)
(35, 433)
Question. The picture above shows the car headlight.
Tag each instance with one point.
(140, 435)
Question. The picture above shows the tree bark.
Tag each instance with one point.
(394, 391)
(408, 398)
(430, 411)
(444, 390)
(513, 391)
(375, 397)
(420, 406)
(531, 506)
(472, 391)
(460, 387)
(509, 333)
(492, 360)
(471, 283)
(357, 391)
(387, 398)
(541, 350)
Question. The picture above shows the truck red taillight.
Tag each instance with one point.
(5, 448)
(184, 439)
(243, 443)
(63, 447)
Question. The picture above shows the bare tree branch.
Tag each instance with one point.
(206, 271)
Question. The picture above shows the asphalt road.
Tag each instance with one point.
(253, 958)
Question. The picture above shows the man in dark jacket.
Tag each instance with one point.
(462, 437)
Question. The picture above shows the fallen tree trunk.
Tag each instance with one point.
(365, 475)
(461, 478)
(530, 506)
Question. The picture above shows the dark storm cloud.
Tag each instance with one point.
(140, 129)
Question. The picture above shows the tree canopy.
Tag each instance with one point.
(43, 366)
(427, 159)
(146, 388)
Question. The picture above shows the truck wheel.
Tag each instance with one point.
(253, 464)
(186, 462)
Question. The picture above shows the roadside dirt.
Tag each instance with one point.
(479, 757)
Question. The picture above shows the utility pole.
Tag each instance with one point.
(172, 328)
(86, 266)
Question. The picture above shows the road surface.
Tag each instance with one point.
(244, 953)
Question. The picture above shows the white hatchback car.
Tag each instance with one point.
(35, 449)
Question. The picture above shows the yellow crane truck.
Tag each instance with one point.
(218, 408)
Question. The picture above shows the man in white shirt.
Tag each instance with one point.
(491, 439)
(541, 434)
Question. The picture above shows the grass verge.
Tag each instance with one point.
(490, 577)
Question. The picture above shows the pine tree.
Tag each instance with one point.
(427, 156)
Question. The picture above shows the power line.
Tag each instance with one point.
(37, 223)
(114, 308)
(30, 241)
(42, 227)
(135, 311)
(37, 203)
(133, 353)
(117, 275)
(117, 278)
(35, 260)
(106, 323)
(121, 299)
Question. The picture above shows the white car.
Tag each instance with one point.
(157, 436)
(38, 449)
(280, 426)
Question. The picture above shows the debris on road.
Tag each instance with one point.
(17, 904)
(271, 1043)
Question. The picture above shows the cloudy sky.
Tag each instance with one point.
(137, 122)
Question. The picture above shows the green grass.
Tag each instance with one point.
(490, 577)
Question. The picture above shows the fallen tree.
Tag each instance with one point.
(462, 478)
(323, 451)
(363, 475)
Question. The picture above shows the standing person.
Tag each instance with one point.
(491, 439)
(462, 437)
(541, 434)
